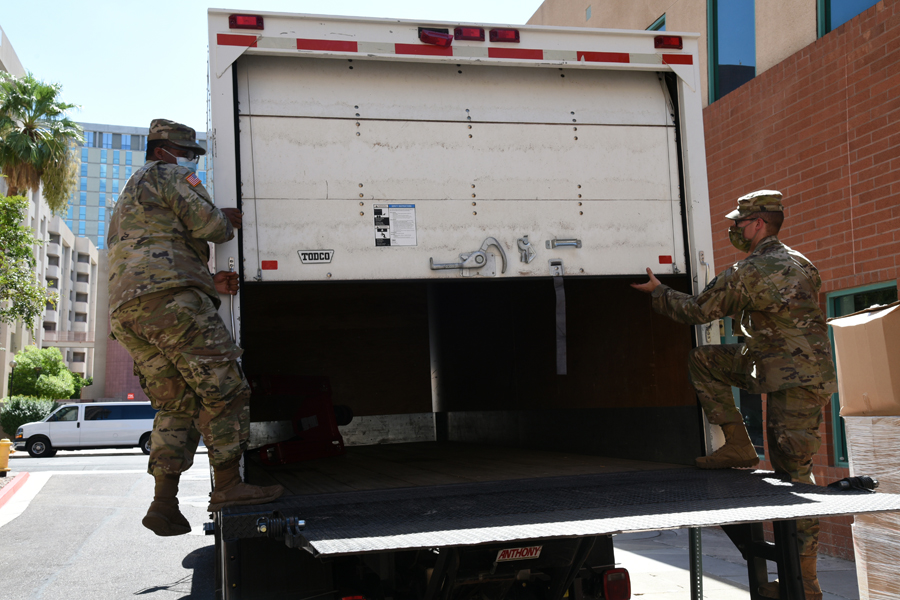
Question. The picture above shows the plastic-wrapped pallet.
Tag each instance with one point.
(874, 445)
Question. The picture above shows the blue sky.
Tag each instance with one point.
(128, 61)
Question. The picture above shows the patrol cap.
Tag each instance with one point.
(756, 202)
(175, 133)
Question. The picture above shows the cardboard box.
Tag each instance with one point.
(867, 347)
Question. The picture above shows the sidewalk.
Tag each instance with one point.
(658, 563)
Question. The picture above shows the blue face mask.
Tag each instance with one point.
(190, 165)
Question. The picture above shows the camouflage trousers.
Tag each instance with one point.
(187, 364)
(793, 417)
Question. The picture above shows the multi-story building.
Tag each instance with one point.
(110, 154)
(67, 265)
(801, 97)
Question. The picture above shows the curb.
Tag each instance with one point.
(7, 491)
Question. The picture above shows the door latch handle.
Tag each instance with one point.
(473, 260)
(567, 243)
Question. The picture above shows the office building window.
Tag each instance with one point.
(69, 214)
(84, 155)
(126, 141)
(69, 223)
(107, 140)
(658, 25)
(116, 157)
(103, 171)
(115, 198)
(732, 45)
(103, 156)
(587, 14)
(83, 169)
(101, 214)
(82, 198)
(102, 199)
(82, 211)
(127, 172)
(83, 186)
(117, 140)
(89, 139)
(843, 303)
(102, 185)
(116, 171)
(834, 13)
(80, 227)
(115, 185)
(128, 158)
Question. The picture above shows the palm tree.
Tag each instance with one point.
(35, 139)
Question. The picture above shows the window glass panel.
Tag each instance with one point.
(102, 213)
(97, 413)
(69, 216)
(659, 24)
(115, 198)
(734, 49)
(127, 172)
(107, 140)
(116, 171)
(88, 140)
(84, 169)
(128, 158)
(116, 156)
(84, 155)
(102, 170)
(82, 210)
(67, 413)
(841, 11)
(102, 185)
(69, 223)
(82, 199)
(126, 141)
(102, 199)
(115, 185)
(103, 156)
(83, 186)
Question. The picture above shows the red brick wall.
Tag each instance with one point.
(823, 127)
(120, 377)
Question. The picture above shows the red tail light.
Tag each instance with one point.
(616, 584)
(469, 33)
(435, 38)
(665, 260)
(245, 22)
(505, 35)
(672, 42)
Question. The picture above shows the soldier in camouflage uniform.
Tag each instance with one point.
(163, 305)
(787, 355)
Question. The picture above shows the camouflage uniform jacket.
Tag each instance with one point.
(775, 291)
(159, 233)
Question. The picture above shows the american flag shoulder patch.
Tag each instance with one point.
(193, 180)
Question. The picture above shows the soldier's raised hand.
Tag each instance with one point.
(226, 282)
(649, 286)
(234, 216)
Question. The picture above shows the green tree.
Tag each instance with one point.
(22, 294)
(42, 373)
(18, 410)
(36, 139)
(80, 382)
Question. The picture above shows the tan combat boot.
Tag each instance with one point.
(163, 517)
(738, 450)
(810, 581)
(231, 491)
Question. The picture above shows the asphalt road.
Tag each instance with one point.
(73, 531)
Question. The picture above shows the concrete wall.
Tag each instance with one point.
(782, 29)
(9, 60)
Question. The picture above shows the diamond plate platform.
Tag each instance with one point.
(572, 506)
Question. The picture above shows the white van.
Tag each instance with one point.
(89, 427)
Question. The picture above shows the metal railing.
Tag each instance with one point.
(68, 336)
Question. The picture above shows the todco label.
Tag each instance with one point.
(315, 257)
(519, 553)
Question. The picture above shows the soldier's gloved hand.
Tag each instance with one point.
(226, 282)
(649, 286)
(234, 215)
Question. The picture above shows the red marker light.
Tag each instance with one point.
(665, 260)
(505, 35)
(436, 38)
(672, 42)
(269, 265)
(616, 584)
(475, 34)
(245, 22)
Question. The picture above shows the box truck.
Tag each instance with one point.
(451, 376)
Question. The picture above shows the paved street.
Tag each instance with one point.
(73, 531)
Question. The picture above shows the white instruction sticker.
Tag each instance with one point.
(395, 224)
